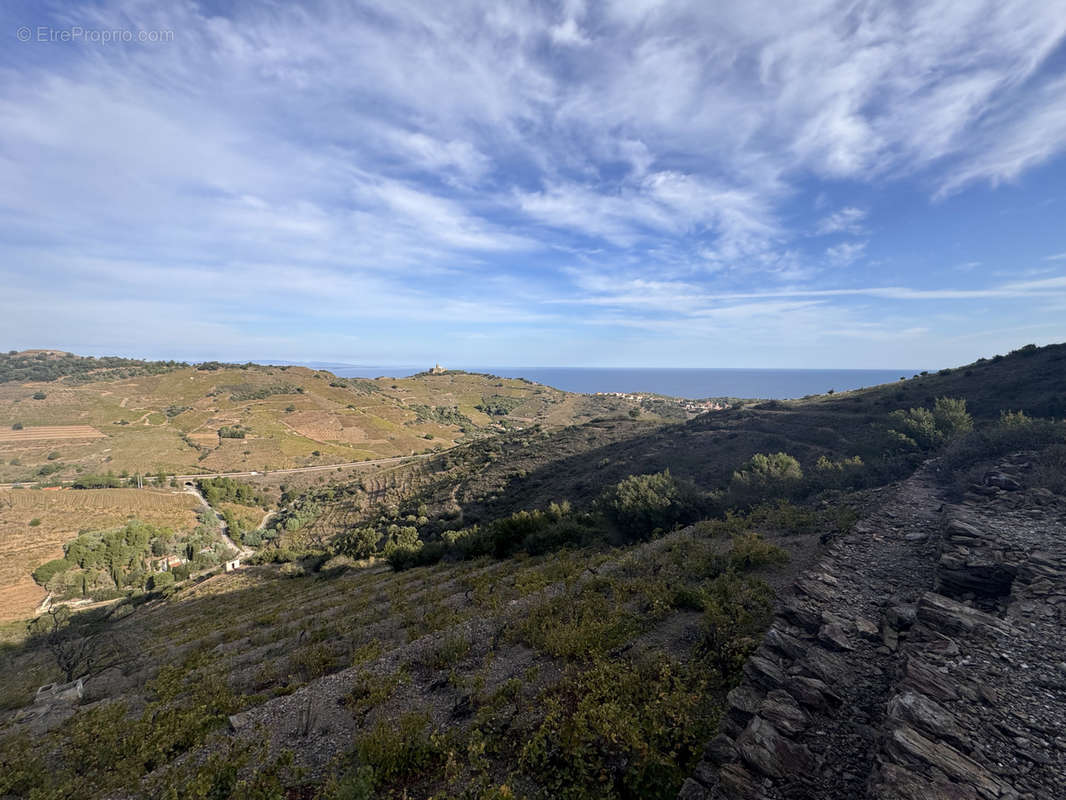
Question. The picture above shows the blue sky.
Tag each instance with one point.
(813, 184)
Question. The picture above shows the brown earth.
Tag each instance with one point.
(51, 432)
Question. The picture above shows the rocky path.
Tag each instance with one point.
(919, 659)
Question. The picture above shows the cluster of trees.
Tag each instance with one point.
(229, 490)
(15, 366)
(244, 392)
(499, 405)
(444, 415)
(231, 432)
(108, 481)
(103, 564)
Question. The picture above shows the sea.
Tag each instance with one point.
(694, 383)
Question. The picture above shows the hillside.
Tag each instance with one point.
(530, 469)
(548, 614)
(99, 415)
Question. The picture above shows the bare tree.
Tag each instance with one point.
(78, 650)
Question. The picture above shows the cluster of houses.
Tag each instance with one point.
(698, 406)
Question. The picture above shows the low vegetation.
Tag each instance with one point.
(565, 611)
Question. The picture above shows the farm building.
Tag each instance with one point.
(230, 566)
(167, 563)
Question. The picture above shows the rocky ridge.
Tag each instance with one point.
(921, 659)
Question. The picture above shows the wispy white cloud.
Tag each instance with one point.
(451, 163)
(843, 254)
(847, 220)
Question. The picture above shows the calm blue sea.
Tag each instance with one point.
(778, 384)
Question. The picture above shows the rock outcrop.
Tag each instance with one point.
(922, 658)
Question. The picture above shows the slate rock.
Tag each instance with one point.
(927, 716)
(765, 750)
(943, 613)
(909, 746)
(782, 711)
(764, 672)
(833, 636)
(720, 750)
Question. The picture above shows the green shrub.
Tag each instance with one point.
(35, 522)
(621, 730)
(750, 551)
(1049, 469)
(765, 475)
(641, 504)
(1009, 419)
(50, 569)
(737, 611)
(291, 570)
(357, 785)
(924, 429)
(357, 542)
(398, 749)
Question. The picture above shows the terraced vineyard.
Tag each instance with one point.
(455, 680)
(220, 418)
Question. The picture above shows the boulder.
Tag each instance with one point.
(925, 680)
(720, 750)
(898, 783)
(812, 693)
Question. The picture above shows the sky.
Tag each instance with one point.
(816, 184)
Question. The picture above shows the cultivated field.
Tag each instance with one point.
(261, 418)
(62, 514)
(50, 433)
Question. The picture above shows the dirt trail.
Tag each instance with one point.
(239, 550)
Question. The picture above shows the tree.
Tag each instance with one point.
(161, 580)
(77, 650)
(357, 542)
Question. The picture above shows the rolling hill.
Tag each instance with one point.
(60, 416)
(581, 650)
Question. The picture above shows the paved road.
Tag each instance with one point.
(292, 471)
